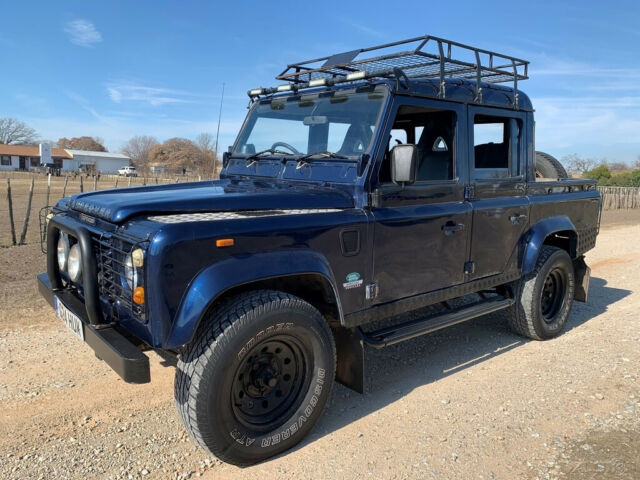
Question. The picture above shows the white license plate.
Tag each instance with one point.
(70, 319)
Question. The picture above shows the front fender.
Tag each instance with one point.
(537, 235)
(220, 277)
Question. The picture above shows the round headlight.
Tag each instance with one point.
(75, 263)
(63, 251)
(130, 273)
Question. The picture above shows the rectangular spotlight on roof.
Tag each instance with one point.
(283, 88)
(357, 75)
(318, 82)
(256, 91)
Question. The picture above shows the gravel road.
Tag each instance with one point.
(471, 402)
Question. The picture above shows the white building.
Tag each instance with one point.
(95, 162)
(25, 158)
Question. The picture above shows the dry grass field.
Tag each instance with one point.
(21, 184)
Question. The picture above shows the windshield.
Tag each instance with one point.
(341, 122)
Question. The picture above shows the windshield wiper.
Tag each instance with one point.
(303, 160)
(253, 158)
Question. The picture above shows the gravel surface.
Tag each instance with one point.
(472, 402)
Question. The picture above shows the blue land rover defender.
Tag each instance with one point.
(368, 184)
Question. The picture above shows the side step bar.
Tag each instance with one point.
(414, 328)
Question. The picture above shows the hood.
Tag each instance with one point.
(213, 196)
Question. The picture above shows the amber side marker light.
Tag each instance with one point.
(138, 295)
(225, 242)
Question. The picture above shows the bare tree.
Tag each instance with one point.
(138, 148)
(617, 166)
(208, 161)
(176, 154)
(93, 144)
(578, 165)
(636, 164)
(15, 132)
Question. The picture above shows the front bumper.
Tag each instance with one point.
(109, 344)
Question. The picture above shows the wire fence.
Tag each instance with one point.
(26, 193)
(23, 194)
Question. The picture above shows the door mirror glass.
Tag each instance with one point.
(404, 164)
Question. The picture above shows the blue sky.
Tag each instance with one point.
(121, 68)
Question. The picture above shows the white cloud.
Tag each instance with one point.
(82, 32)
(120, 92)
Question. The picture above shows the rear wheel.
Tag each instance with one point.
(548, 166)
(544, 299)
(257, 377)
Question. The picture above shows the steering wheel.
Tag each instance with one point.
(285, 145)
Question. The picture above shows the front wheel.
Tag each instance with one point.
(257, 376)
(545, 297)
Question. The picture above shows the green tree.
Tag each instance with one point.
(601, 174)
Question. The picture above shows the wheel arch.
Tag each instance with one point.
(309, 277)
(557, 231)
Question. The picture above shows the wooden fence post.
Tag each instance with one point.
(48, 189)
(13, 228)
(95, 182)
(115, 184)
(23, 235)
(81, 185)
(64, 188)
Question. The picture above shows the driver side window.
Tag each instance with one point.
(432, 131)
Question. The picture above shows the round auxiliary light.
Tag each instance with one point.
(130, 273)
(63, 251)
(74, 263)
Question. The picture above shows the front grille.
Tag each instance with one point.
(111, 253)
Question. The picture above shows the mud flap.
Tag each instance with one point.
(582, 275)
(350, 358)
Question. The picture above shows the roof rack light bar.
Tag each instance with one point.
(427, 57)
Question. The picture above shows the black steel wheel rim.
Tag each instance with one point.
(553, 293)
(269, 383)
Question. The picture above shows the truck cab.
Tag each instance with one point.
(366, 186)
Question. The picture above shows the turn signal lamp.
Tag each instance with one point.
(225, 242)
(138, 295)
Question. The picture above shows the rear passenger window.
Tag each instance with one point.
(496, 143)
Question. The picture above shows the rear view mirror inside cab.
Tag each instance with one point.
(315, 120)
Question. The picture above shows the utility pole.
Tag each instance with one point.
(215, 165)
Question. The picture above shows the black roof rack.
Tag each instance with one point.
(427, 57)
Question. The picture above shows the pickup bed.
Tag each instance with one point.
(356, 191)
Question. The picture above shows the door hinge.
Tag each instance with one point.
(371, 291)
(374, 198)
(469, 268)
(469, 192)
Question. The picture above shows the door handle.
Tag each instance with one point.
(450, 228)
(515, 219)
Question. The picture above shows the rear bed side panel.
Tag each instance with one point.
(581, 209)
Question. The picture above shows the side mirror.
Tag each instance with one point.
(404, 164)
(225, 158)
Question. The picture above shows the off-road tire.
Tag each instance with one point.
(527, 317)
(548, 166)
(222, 372)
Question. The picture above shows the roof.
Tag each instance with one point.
(31, 151)
(89, 153)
